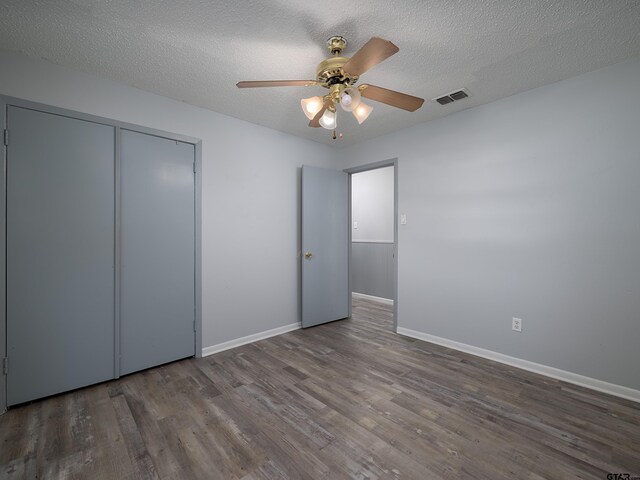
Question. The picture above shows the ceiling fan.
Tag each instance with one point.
(340, 74)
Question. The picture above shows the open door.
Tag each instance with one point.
(325, 245)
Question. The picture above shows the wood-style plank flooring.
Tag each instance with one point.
(345, 400)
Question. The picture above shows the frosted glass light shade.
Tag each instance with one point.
(350, 99)
(328, 120)
(361, 112)
(311, 106)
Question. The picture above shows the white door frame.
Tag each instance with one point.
(393, 162)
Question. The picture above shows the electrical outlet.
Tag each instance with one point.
(516, 324)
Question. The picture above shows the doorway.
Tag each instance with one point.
(373, 237)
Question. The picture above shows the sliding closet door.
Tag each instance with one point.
(157, 312)
(60, 254)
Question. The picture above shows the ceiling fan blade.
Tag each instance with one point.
(391, 97)
(277, 83)
(315, 123)
(372, 53)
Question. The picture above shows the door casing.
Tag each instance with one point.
(393, 162)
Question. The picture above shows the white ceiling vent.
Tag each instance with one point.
(453, 96)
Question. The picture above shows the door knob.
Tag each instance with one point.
(308, 255)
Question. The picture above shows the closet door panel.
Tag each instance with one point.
(60, 253)
(157, 283)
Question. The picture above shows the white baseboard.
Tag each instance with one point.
(249, 339)
(386, 301)
(569, 377)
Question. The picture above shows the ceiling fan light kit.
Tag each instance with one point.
(350, 99)
(339, 75)
(362, 112)
(311, 106)
(329, 120)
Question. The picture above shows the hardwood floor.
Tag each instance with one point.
(345, 400)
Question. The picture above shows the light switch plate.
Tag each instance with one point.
(403, 219)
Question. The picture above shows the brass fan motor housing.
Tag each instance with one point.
(331, 71)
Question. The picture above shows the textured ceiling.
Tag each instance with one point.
(196, 50)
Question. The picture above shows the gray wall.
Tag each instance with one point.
(523, 207)
(526, 207)
(372, 199)
(372, 205)
(372, 269)
(250, 191)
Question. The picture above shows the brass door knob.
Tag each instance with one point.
(308, 255)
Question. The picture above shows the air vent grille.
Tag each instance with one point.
(453, 96)
(459, 95)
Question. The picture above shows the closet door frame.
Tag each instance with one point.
(5, 102)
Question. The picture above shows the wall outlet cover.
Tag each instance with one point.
(516, 324)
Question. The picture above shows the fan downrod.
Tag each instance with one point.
(336, 44)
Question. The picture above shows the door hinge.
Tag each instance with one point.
(194, 166)
(6, 137)
(5, 365)
(194, 326)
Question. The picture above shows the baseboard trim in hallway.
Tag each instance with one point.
(565, 376)
(386, 301)
(220, 347)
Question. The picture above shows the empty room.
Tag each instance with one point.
(301, 240)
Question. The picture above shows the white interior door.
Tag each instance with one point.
(325, 245)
